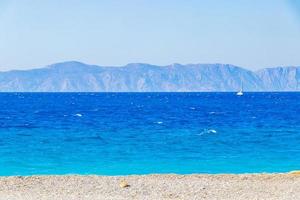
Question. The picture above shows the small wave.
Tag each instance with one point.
(159, 122)
(211, 131)
(192, 108)
(216, 113)
(78, 115)
(208, 131)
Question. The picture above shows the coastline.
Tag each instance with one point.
(155, 186)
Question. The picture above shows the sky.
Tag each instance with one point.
(250, 33)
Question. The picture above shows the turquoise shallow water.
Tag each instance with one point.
(141, 133)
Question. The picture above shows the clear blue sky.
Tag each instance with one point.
(249, 33)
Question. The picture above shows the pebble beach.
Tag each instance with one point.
(233, 187)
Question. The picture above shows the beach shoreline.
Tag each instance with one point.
(155, 186)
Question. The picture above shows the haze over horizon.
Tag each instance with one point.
(138, 77)
(253, 35)
(61, 63)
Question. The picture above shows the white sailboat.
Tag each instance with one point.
(240, 93)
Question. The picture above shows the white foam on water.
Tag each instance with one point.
(78, 115)
(208, 131)
(159, 122)
(211, 131)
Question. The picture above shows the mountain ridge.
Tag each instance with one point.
(74, 76)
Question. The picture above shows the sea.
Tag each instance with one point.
(148, 133)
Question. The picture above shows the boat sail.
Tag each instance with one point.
(240, 93)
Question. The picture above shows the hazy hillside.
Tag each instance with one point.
(79, 77)
(280, 78)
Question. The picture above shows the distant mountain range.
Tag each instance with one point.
(79, 77)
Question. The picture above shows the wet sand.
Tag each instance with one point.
(73, 187)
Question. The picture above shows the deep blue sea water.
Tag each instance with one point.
(141, 133)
